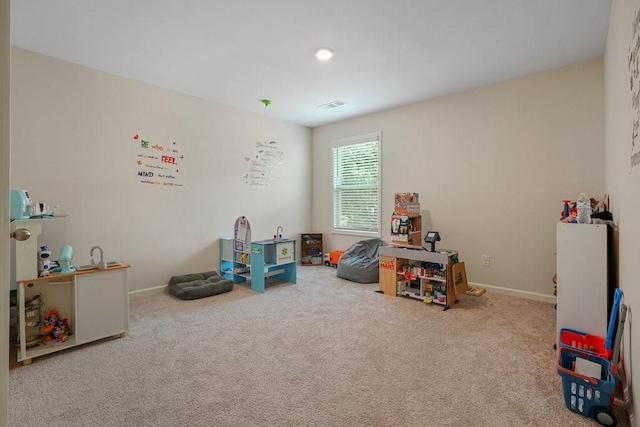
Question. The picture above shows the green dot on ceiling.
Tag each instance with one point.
(266, 102)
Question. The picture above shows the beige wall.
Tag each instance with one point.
(491, 166)
(621, 181)
(4, 208)
(72, 145)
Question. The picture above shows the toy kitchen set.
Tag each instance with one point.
(59, 305)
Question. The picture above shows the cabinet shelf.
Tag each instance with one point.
(48, 347)
(416, 295)
(434, 278)
(269, 273)
(403, 275)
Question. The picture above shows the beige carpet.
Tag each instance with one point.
(324, 352)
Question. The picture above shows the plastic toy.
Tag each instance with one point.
(55, 327)
(332, 258)
(565, 213)
(65, 258)
(44, 261)
(572, 209)
(585, 393)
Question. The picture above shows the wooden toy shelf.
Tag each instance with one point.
(433, 285)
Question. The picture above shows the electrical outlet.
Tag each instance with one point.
(485, 260)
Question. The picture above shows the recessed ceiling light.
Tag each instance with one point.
(323, 53)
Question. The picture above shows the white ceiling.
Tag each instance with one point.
(388, 52)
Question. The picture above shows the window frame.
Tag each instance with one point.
(359, 139)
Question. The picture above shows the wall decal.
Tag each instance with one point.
(157, 164)
(634, 86)
(263, 165)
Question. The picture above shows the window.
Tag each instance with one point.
(356, 185)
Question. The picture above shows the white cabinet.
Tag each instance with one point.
(101, 304)
(584, 287)
(95, 303)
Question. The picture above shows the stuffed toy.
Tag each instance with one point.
(55, 327)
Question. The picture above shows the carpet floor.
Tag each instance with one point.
(322, 352)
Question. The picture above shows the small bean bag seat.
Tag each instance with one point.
(359, 263)
(199, 285)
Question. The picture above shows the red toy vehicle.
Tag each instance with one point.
(331, 259)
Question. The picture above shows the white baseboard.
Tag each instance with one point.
(156, 289)
(497, 289)
(516, 293)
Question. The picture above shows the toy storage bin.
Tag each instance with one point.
(593, 344)
(588, 396)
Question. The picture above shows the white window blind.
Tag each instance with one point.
(356, 185)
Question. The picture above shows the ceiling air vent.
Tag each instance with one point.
(331, 105)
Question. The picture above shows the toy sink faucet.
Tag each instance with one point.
(279, 232)
(101, 265)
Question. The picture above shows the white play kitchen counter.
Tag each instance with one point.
(94, 302)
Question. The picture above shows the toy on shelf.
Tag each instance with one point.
(64, 259)
(44, 261)
(570, 211)
(55, 327)
(601, 205)
(407, 204)
(565, 212)
(406, 222)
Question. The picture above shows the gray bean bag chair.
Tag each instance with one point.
(359, 263)
(199, 285)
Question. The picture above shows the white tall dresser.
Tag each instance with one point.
(584, 281)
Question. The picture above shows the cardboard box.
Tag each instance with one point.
(387, 267)
(459, 275)
(406, 198)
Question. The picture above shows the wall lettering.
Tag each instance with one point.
(167, 165)
(264, 164)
